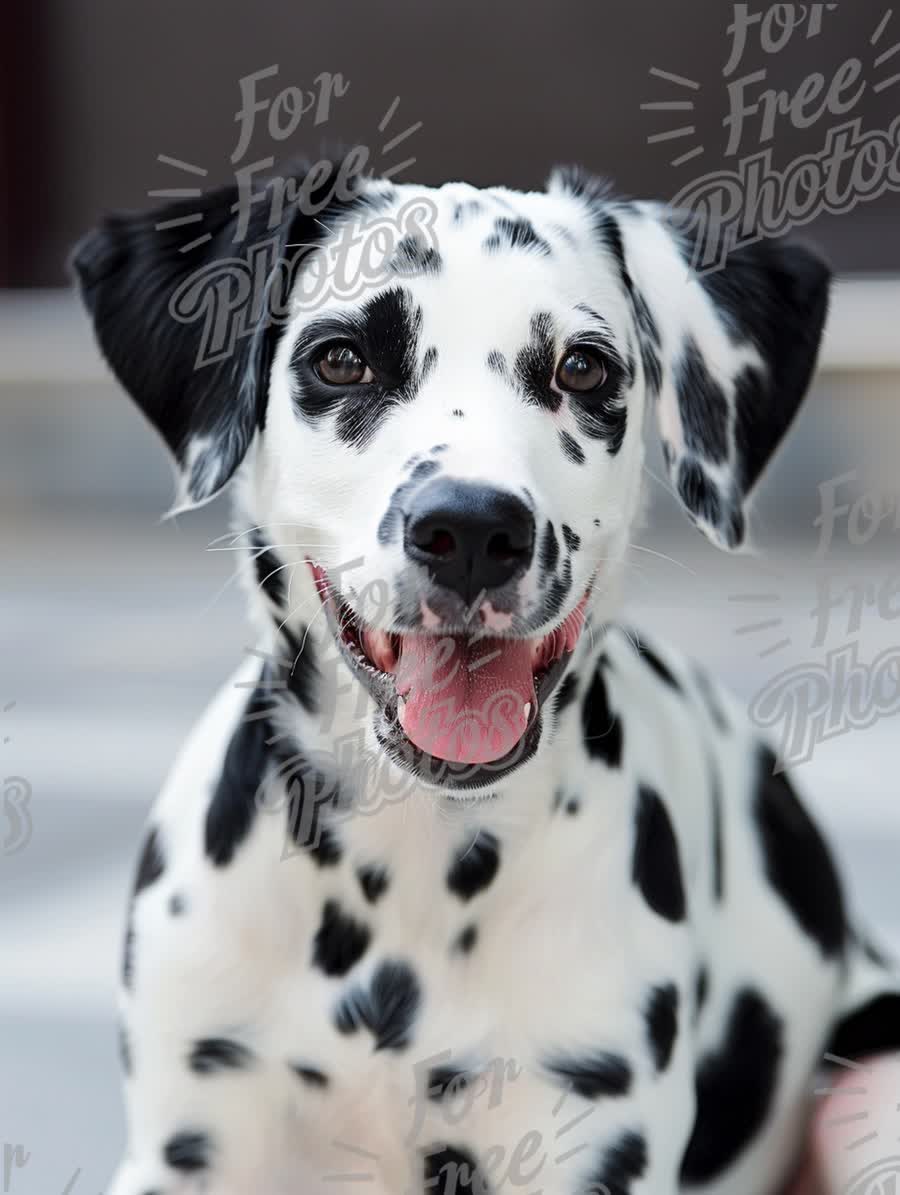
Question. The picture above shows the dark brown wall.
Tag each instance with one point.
(504, 90)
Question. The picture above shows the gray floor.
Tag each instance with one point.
(115, 630)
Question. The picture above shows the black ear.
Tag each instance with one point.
(187, 303)
(737, 347)
(727, 353)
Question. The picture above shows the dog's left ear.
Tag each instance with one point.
(727, 353)
(183, 308)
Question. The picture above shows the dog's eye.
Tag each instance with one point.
(581, 370)
(341, 365)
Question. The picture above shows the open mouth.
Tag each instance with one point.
(460, 704)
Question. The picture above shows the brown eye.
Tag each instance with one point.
(581, 370)
(341, 365)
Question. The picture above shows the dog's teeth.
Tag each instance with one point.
(526, 710)
(401, 704)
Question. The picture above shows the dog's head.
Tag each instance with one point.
(435, 399)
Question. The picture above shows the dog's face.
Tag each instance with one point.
(451, 437)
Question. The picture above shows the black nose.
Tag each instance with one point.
(472, 538)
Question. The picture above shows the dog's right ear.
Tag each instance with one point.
(139, 273)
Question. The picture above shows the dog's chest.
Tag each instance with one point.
(489, 923)
(417, 992)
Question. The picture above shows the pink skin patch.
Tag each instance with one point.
(854, 1119)
(494, 620)
(430, 620)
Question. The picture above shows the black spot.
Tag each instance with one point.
(457, 413)
(392, 519)
(474, 866)
(464, 209)
(496, 363)
(602, 728)
(710, 699)
(310, 795)
(702, 405)
(424, 470)
(387, 1008)
(387, 328)
(128, 952)
(718, 843)
(310, 1075)
(652, 660)
(212, 1054)
(622, 1162)
(536, 363)
(549, 551)
(656, 868)
(559, 588)
(449, 1170)
(188, 1151)
(610, 234)
(746, 1062)
(580, 183)
(872, 952)
(606, 226)
(701, 990)
(592, 313)
(126, 1059)
(325, 848)
(592, 1075)
(699, 494)
(447, 1080)
(566, 693)
(572, 539)
(391, 522)
(874, 1028)
(797, 861)
(602, 414)
(340, 941)
(232, 808)
(466, 940)
(150, 864)
(514, 234)
(301, 675)
(572, 806)
(374, 880)
(735, 524)
(269, 570)
(572, 450)
(648, 342)
(413, 258)
(177, 904)
(661, 1012)
(566, 234)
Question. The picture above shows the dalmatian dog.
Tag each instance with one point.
(462, 885)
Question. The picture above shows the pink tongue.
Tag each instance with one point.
(465, 698)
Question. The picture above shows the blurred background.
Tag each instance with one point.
(116, 629)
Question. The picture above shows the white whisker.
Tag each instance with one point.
(663, 556)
